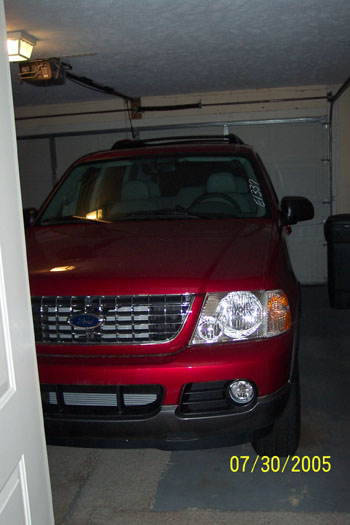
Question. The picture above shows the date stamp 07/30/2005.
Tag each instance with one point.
(277, 464)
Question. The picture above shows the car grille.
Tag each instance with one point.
(135, 319)
(129, 400)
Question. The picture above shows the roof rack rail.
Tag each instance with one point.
(137, 143)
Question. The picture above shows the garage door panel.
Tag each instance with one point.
(181, 132)
(69, 149)
(308, 252)
(306, 139)
(310, 179)
(35, 177)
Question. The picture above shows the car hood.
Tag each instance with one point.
(149, 257)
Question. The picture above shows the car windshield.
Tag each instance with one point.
(161, 187)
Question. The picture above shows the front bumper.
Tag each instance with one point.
(167, 425)
(266, 362)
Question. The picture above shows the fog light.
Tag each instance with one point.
(241, 391)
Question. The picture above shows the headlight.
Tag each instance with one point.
(242, 315)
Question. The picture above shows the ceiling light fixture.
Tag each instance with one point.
(20, 46)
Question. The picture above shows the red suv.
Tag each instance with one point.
(163, 297)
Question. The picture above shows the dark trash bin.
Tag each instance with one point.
(337, 234)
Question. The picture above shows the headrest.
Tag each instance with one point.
(221, 183)
(134, 190)
(153, 188)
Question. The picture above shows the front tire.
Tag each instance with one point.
(283, 440)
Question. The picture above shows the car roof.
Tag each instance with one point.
(170, 145)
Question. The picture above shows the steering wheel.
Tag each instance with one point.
(206, 196)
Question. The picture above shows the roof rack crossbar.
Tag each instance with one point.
(137, 143)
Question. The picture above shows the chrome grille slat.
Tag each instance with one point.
(89, 399)
(138, 319)
(142, 399)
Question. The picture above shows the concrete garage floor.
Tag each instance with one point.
(151, 486)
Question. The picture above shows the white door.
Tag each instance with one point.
(25, 496)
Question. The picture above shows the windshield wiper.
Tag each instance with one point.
(179, 211)
(164, 213)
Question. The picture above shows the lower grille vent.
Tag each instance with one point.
(140, 400)
(199, 398)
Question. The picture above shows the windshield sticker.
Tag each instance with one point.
(256, 193)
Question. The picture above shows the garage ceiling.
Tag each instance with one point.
(163, 47)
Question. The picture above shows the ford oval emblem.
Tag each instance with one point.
(84, 320)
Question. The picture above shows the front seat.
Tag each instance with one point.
(135, 197)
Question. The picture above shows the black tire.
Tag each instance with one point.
(283, 440)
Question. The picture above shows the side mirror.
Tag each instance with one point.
(29, 215)
(296, 209)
